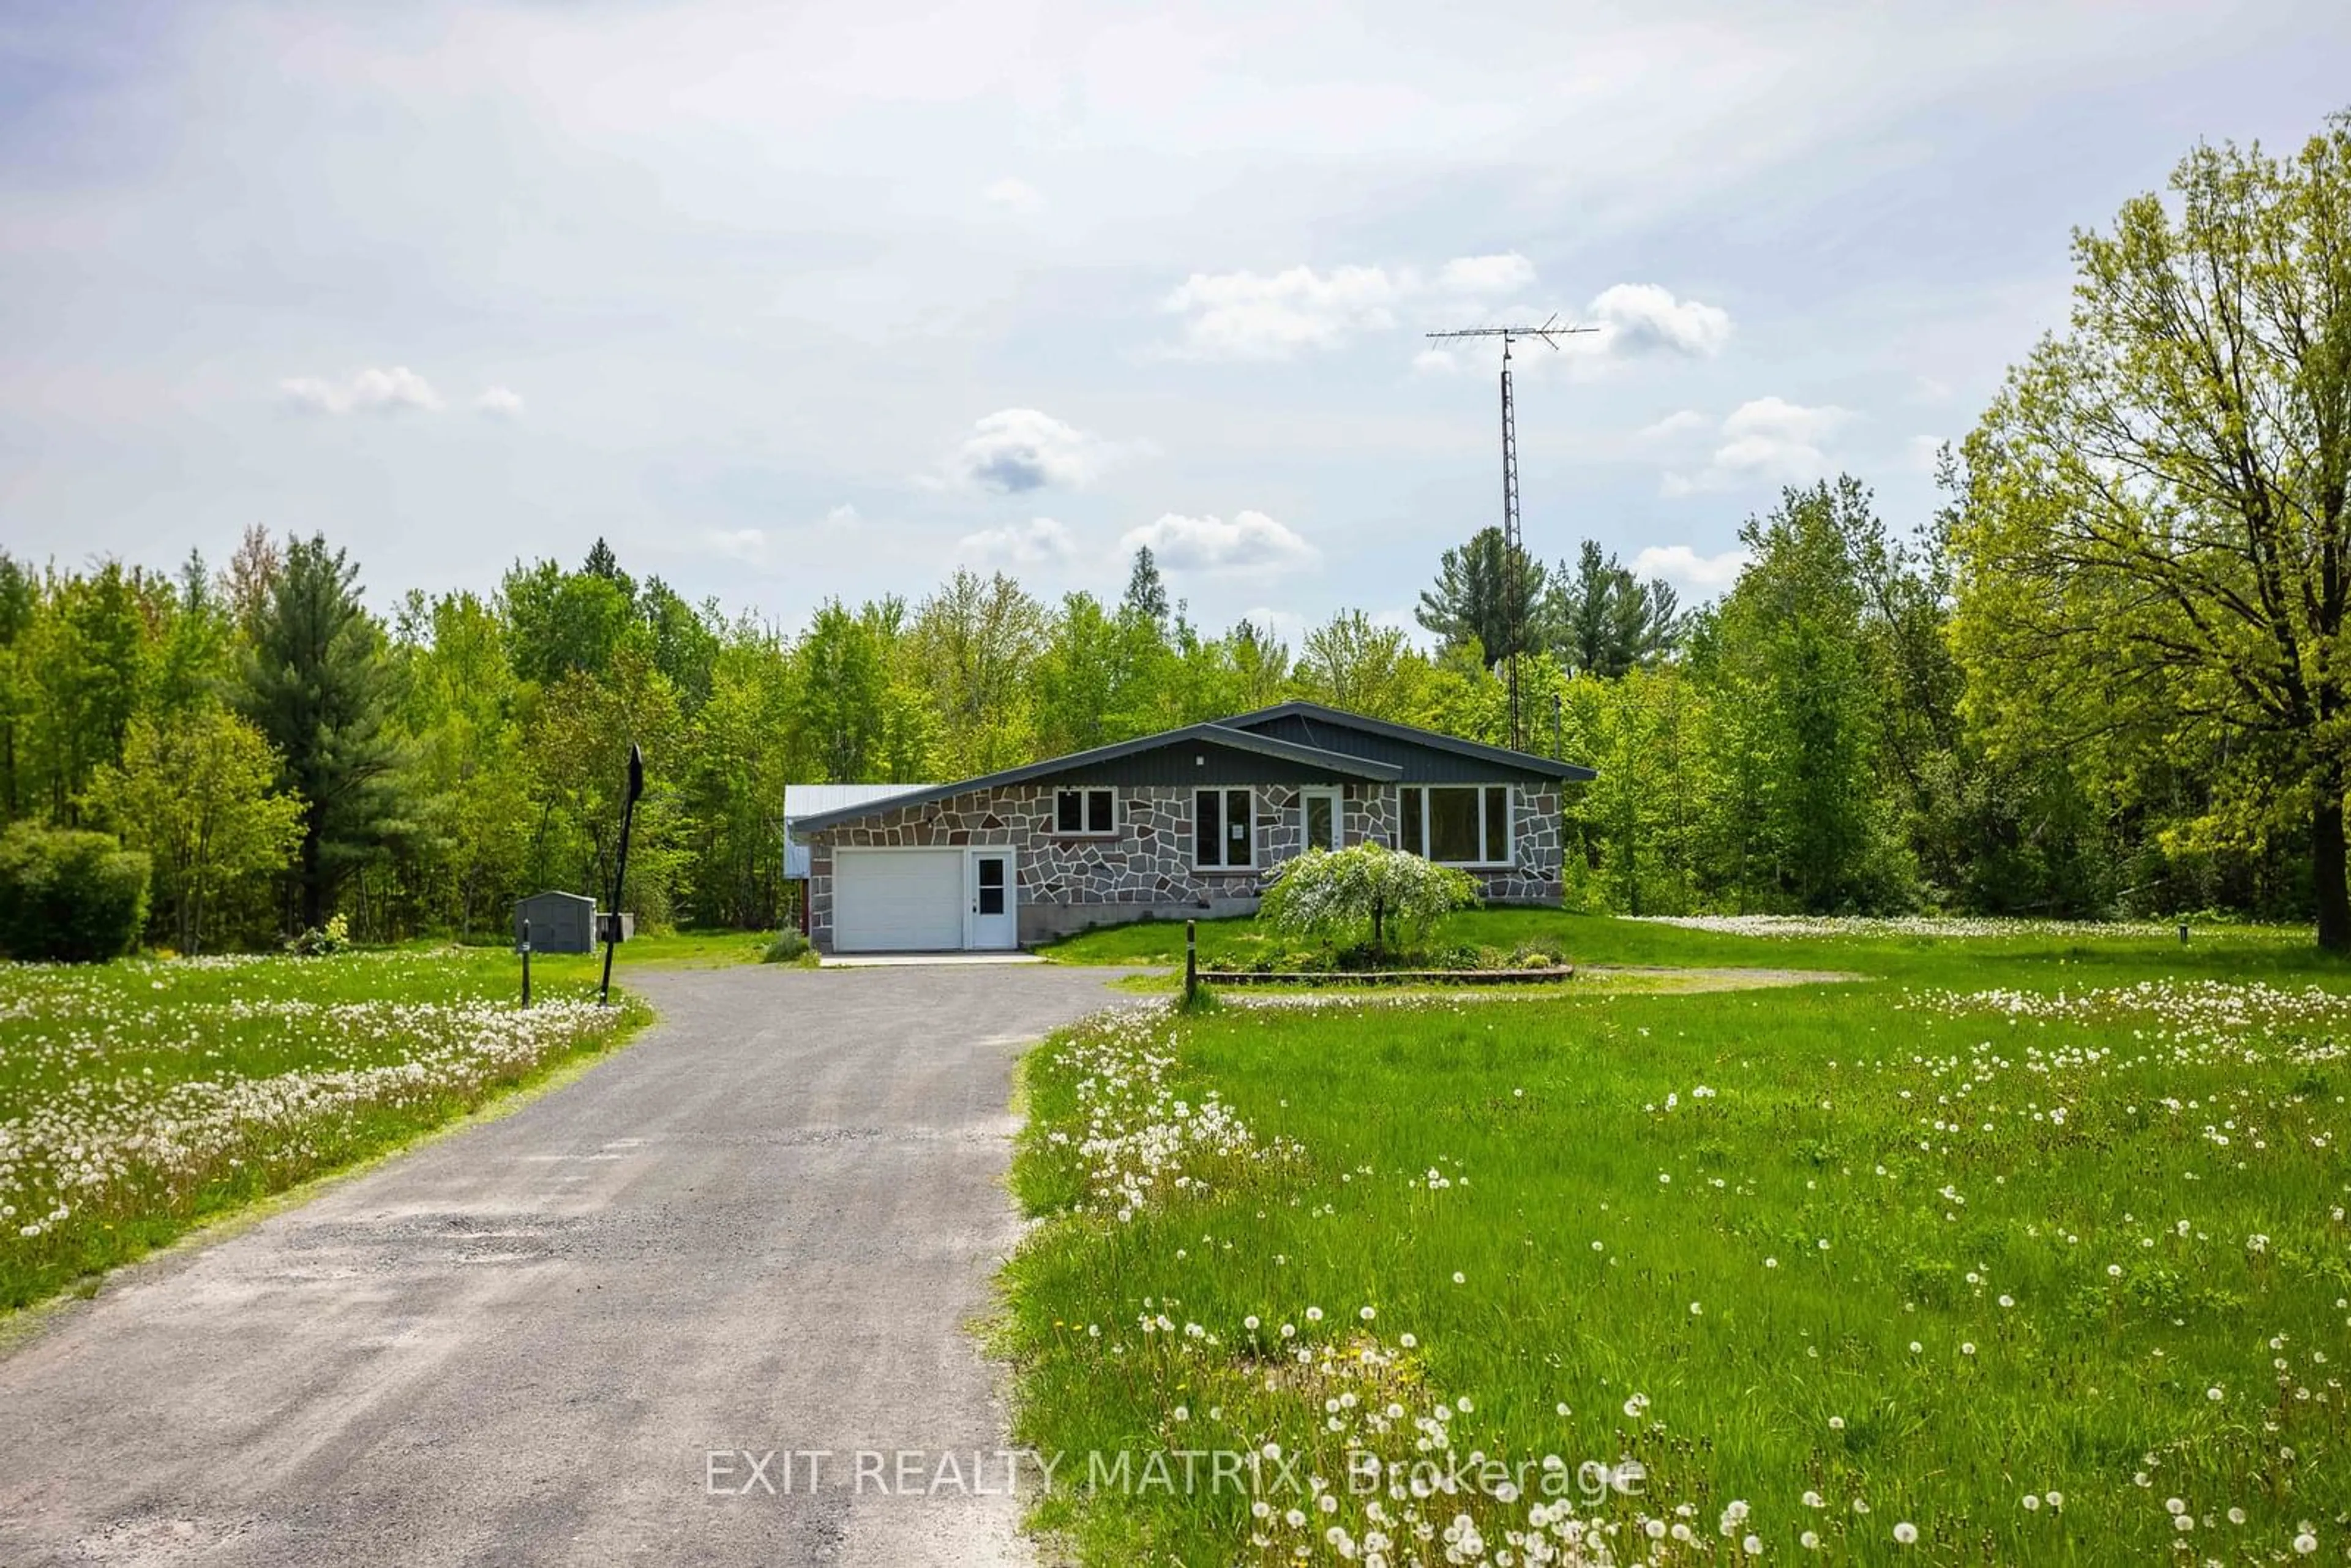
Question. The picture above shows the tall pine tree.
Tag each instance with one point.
(318, 687)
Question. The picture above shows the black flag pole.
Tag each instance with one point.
(621, 868)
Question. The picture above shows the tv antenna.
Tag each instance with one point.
(1514, 610)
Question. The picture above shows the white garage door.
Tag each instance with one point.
(887, 901)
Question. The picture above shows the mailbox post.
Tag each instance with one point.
(612, 933)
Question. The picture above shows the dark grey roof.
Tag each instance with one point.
(1337, 762)
(1315, 713)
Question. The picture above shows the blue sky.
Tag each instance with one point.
(791, 301)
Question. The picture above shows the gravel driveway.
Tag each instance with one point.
(763, 1227)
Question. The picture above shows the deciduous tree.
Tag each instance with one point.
(2154, 549)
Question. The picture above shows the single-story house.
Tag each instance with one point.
(1190, 822)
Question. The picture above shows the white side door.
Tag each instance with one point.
(1320, 818)
(991, 899)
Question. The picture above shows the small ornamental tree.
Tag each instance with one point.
(1338, 895)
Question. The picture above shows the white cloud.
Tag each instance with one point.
(1685, 568)
(1644, 318)
(1681, 422)
(1250, 542)
(1272, 315)
(1014, 196)
(1486, 274)
(841, 516)
(1039, 541)
(1275, 316)
(501, 403)
(1922, 454)
(1016, 450)
(1767, 441)
(392, 391)
(747, 545)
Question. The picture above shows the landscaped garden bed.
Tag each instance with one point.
(1505, 976)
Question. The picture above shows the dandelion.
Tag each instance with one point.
(1810, 1540)
(1967, 1348)
(2032, 1504)
(1836, 1423)
(1459, 1278)
(2305, 1543)
(1366, 1315)
(1907, 1534)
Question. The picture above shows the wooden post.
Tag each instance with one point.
(2183, 934)
(1191, 962)
(526, 961)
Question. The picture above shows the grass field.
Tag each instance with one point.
(2030, 1247)
(139, 1098)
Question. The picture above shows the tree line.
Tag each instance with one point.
(2106, 676)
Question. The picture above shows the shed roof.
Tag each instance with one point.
(808, 800)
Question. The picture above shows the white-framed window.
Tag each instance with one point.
(1456, 824)
(1322, 820)
(1085, 813)
(1223, 829)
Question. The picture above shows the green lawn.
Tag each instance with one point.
(142, 1097)
(2057, 1214)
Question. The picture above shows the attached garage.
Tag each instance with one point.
(922, 900)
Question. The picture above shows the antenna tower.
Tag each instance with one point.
(1514, 608)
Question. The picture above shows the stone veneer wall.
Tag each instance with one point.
(1068, 882)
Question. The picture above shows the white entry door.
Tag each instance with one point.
(1320, 818)
(991, 916)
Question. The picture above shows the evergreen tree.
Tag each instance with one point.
(1605, 622)
(318, 687)
(1472, 599)
(1147, 593)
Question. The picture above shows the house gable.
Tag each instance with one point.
(1423, 757)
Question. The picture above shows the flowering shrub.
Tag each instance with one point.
(319, 942)
(1339, 897)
